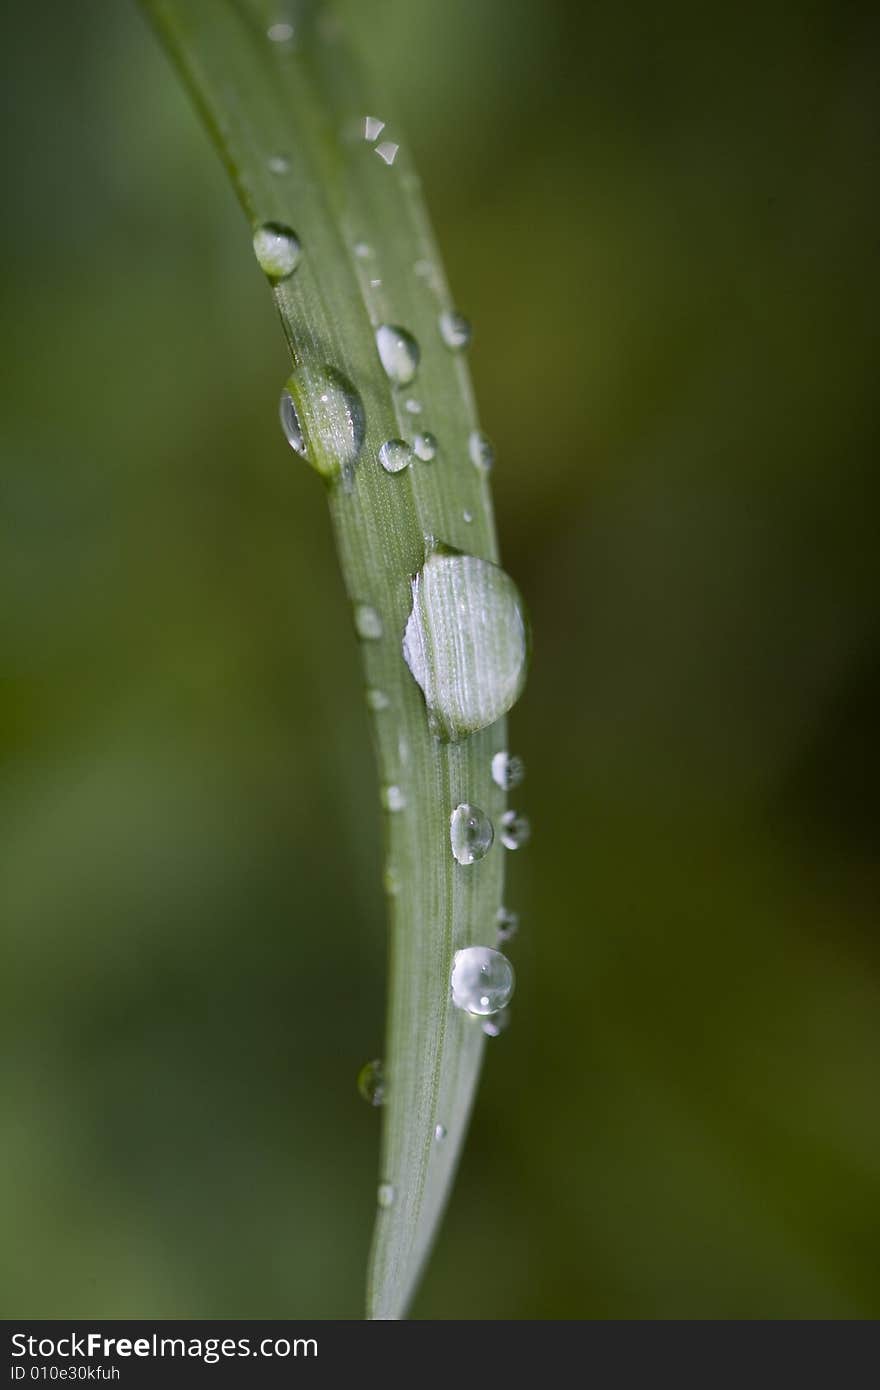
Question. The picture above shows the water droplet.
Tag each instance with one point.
(371, 1082)
(413, 406)
(330, 419)
(377, 699)
(467, 516)
(367, 622)
(393, 798)
(278, 164)
(424, 270)
(390, 881)
(363, 251)
(466, 642)
(277, 249)
(470, 832)
(398, 353)
(515, 830)
(425, 446)
(290, 424)
(482, 980)
(395, 455)
(508, 924)
(494, 1027)
(373, 128)
(387, 151)
(375, 284)
(385, 1194)
(280, 33)
(481, 451)
(454, 330)
(507, 772)
(439, 1132)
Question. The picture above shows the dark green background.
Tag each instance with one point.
(661, 220)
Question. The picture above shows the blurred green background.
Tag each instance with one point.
(662, 221)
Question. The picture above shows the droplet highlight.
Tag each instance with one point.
(371, 1082)
(290, 424)
(439, 1133)
(425, 446)
(470, 833)
(393, 798)
(494, 1027)
(277, 249)
(508, 924)
(377, 700)
(395, 455)
(329, 418)
(482, 980)
(515, 830)
(385, 1194)
(387, 151)
(373, 128)
(398, 353)
(507, 771)
(367, 622)
(278, 164)
(454, 330)
(466, 642)
(482, 451)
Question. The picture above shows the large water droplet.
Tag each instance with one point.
(494, 1027)
(507, 772)
(385, 1194)
(508, 924)
(277, 249)
(482, 980)
(471, 833)
(393, 798)
(290, 424)
(466, 642)
(425, 446)
(367, 622)
(398, 353)
(371, 1082)
(395, 455)
(454, 330)
(330, 420)
(481, 450)
(515, 830)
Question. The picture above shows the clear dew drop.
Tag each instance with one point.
(277, 249)
(507, 772)
(508, 924)
(377, 700)
(395, 455)
(439, 1132)
(329, 419)
(494, 1027)
(387, 151)
(466, 642)
(367, 622)
(290, 424)
(482, 981)
(385, 1194)
(373, 128)
(425, 446)
(481, 450)
(398, 353)
(371, 1082)
(470, 833)
(515, 830)
(393, 798)
(454, 330)
(278, 164)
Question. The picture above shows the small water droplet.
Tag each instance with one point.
(367, 622)
(280, 32)
(278, 164)
(277, 249)
(515, 830)
(439, 1132)
(467, 516)
(375, 284)
(508, 924)
(290, 424)
(387, 151)
(481, 451)
(395, 455)
(494, 1027)
(470, 832)
(425, 446)
(507, 772)
(413, 406)
(398, 353)
(373, 128)
(385, 1194)
(393, 798)
(424, 270)
(391, 881)
(454, 330)
(482, 980)
(371, 1082)
(363, 251)
(377, 699)
(329, 419)
(466, 642)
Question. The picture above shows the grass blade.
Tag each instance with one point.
(307, 148)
